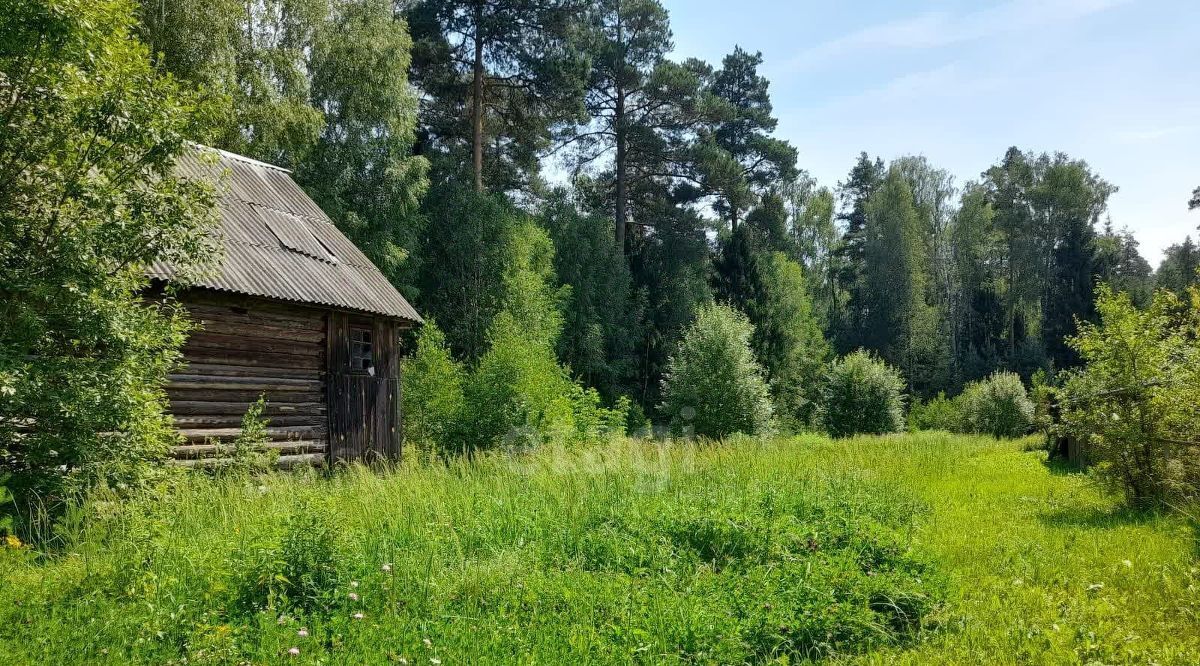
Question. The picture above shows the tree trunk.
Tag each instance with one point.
(477, 99)
(622, 177)
(620, 166)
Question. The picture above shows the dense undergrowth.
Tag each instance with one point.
(921, 548)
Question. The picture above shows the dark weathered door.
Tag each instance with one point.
(364, 389)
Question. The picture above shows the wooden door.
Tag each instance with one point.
(364, 389)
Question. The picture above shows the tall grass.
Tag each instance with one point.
(914, 549)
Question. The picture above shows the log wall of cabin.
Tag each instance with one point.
(242, 348)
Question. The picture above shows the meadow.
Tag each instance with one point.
(923, 548)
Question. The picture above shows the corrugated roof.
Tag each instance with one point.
(279, 244)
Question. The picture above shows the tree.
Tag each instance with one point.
(1195, 202)
(603, 317)
(87, 187)
(433, 393)
(751, 160)
(979, 253)
(853, 195)
(1121, 265)
(770, 289)
(900, 324)
(320, 87)
(714, 387)
(464, 259)
(997, 406)
(642, 107)
(1179, 267)
(815, 244)
(1136, 402)
(361, 170)
(503, 65)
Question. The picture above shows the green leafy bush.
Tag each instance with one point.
(997, 406)
(433, 393)
(307, 570)
(82, 356)
(713, 385)
(1136, 403)
(862, 395)
(519, 396)
(937, 413)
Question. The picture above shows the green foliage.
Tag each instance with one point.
(317, 86)
(787, 340)
(937, 413)
(464, 262)
(87, 201)
(713, 386)
(248, 451)
(519, 396)
(996, 406)
(433, 393)
(1136, 403)
(863, 395)
(305, 571)
(602, 318)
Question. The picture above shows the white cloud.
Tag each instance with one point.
(936, 29)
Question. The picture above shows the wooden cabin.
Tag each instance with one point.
(295, 313)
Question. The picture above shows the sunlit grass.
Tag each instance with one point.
(968, 550)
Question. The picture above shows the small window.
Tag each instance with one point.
(360, 350)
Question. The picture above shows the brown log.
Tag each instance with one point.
(267, 331)
(242, 343)
(258, 314)
(208, 450)
(248, 396)
(245, 358)
(283, 462)
(275, 434)
(273, 384)
(250, 371)
(235, 420)
(193, 407)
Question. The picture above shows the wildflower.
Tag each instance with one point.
(11, 541)
(357, 616)
(353, 596)
(435, 661)
(428, 643)
(295, 652)
(1127, 563)
(353, 583)
(302, 633)
(387, 568)
(403, 661)
(1095, 587)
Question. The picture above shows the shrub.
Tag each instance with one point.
(1136, 403)
(248, 452)
(713, 385)
(433, 393)
(997, 406)
(862, 395)
(937, 413)
(306, 570)
(82, 355)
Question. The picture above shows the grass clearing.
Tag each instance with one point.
(922, 548)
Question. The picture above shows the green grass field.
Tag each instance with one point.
(914, 549)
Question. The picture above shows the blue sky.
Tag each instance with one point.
(1114, 82)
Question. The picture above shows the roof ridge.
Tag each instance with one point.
(242, 158)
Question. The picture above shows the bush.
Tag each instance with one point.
(863, 395)
(519, 395)
(1136, 403)
(937, 413)
(997, 406)
(83, 357)
(713, 386)
(307, 570)
(433, 393)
